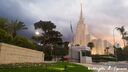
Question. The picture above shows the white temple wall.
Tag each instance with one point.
(75, 53)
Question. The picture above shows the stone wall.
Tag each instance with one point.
(15, 54)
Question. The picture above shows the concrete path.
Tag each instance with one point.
(110, 67)
(50, 61)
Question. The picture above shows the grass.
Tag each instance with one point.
(54, 67)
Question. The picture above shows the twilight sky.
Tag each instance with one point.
(100, 15)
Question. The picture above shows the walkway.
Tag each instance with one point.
(107, 67)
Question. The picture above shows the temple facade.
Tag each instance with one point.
(81, 31)
(82, 37)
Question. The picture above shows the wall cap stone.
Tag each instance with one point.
(22, 48)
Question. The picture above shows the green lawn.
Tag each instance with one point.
(55, 67)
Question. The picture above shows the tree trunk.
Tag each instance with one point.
(124, 42)
(14, 34)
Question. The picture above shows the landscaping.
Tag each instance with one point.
(52, 67)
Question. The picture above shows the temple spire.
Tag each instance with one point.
(81, 13)
(81, 30)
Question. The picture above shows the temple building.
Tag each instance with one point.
(82, 37)
(81, 31)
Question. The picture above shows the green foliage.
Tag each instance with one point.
(50, 38)
(23, 42)
(125, 52)
(86, 53)
(107, 50)
(11, 27)
(3, 23)
(45, 26)
(5, 37)
(60, 52)
(15, 26)
(119, 54)
(57, 51)
(18, 41)
(91, 45)
(103, 58)
(123, 33)
(8, 32)
(49, 35)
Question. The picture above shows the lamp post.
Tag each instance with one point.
(37, 35)
(70, 49)
(51, 50)
(126, 38)
(114, 41)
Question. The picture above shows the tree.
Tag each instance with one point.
(126, 37)
(8, 32)
(122, 32)
(3, 23)
(119, 53)
(5, 37)
(106, 50)
(50, 38)
(45, 26)
(91, 45)
(15, 26)
(49, 35)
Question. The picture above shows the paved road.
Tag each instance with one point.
(108, 67)
(116, 64)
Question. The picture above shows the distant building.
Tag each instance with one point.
(108, 44)
(100, 47)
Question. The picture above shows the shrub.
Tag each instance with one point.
(103, 58)
(125, 53)
(23, 42)
(5, 37)
(86, 53)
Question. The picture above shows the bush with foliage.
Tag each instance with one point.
(119, 54)
(86, 53)
(125, 52)
(23, 42)
(8, 33)
(103, 58)
(5, 37)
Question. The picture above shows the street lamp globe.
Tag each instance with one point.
(117, 45)
(70, 44)
(37, 33)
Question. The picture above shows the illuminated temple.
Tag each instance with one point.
(82, 37)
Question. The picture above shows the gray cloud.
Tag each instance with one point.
(99, 14)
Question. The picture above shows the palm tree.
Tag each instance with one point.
(15, 26)
(107, 48)
(3, 23)
(91, 45)
(122, 32)
(126, 37)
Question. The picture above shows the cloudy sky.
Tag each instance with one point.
(100, 15)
